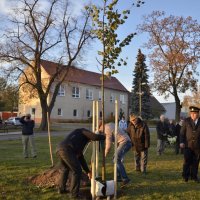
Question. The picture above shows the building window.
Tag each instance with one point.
(75, 113)
(100, 114)
(89, 94)
(59, 112)
(122, 100)
(112, 97)
(100, 96)
(33, 111)
(75, 92)
(88, 113)
(61, 91)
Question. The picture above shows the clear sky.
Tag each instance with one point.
(175, 7)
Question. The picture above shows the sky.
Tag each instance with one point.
(183, 8)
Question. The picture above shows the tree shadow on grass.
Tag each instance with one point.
(160, 184)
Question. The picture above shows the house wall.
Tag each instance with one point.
(68, 104)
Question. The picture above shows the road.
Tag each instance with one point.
(17, 134)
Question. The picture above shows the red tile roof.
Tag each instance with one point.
(77, 75)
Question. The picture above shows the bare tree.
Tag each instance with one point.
(38, 33)
(175, 45)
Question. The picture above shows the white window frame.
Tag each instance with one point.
(122, 98)
(89, 94)
(59, 112)
(100, 96)
(61, 91)
(112, 97)
(75, 92)
(76, 113)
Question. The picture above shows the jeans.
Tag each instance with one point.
(28, 139)
(122, 149)
(69, 162)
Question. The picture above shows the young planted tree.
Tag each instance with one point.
(106, 21)
(174, 43)
(36, 32)
(140, 94)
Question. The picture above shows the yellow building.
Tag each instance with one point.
(75, 96)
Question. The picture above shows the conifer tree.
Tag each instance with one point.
(140, 94)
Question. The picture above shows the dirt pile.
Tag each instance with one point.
(50, 178)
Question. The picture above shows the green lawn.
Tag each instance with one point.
(163, 180)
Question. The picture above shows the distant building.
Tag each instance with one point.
(170, 110)
(156, 107)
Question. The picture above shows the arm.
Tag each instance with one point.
(182, 135)
(128, 130)
(22, 120)
(120, 124)
(83, 163)
(92, 136)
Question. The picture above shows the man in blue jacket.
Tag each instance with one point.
(27, 135)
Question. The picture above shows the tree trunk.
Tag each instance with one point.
(43, 125)
(178, 108)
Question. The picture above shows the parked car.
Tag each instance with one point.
(13, 121)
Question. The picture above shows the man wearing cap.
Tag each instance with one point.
(27, 135)
(190, 142)
(140, 137)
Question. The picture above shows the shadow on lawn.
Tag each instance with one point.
(158, 184)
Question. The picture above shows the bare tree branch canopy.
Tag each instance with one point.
(175, 44)
(37, 33)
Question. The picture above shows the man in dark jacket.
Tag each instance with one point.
(190, 141)
(140, 137)
(70, 152)
(177, 134)
(162, 129)
(27, 135)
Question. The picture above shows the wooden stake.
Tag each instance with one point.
(49, 136)
(115, 148)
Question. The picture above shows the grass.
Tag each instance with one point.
(163, 180)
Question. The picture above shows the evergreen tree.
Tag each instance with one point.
(140, 94)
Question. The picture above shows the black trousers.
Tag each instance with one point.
(70, 162)
(191, 164)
